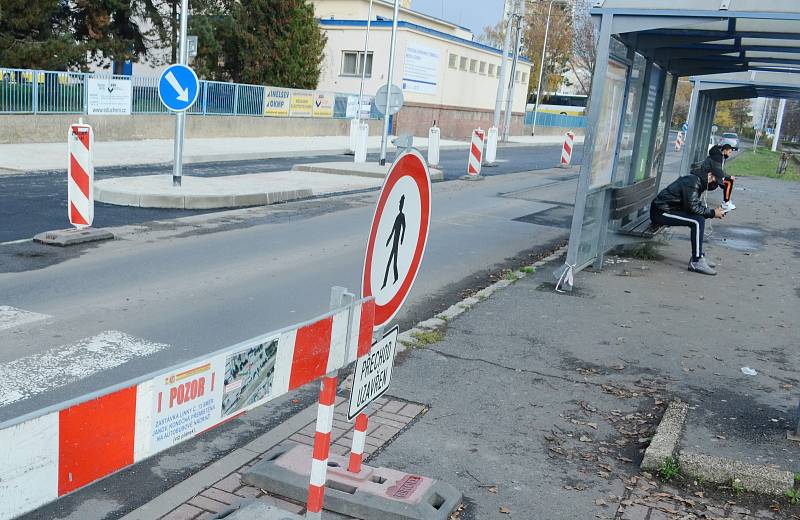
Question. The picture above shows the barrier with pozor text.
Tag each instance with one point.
(54, 451)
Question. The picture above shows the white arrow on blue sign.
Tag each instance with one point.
(178, 87)
(685, 127)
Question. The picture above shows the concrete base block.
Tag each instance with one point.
(373, 493)
(71, 237)
(668, 433)
(256, 510)
(753, 477)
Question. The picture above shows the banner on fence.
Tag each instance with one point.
(109, 96)
(352, 107)
(323, 104)
(302, 104)
(276, 102)
(421, 70)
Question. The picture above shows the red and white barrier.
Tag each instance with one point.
(566, 152)
(476, 153)
(359, 439)
(80, 176)
(49, 454)
(679, 142)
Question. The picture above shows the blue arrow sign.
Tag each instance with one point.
(685, 127)
(178, 87)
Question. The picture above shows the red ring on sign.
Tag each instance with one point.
(418, 173)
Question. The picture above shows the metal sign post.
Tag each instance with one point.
(180, 118)
(392, 49)
(364, 63)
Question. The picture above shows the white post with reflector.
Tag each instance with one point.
(475, 153)
(491, 147)
(362, 136)
(80, 176)
(354, 129)
(566, 152)
(434, 135)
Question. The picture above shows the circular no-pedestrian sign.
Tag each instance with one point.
(398, 235)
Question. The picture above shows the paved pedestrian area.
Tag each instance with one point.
(387, 418)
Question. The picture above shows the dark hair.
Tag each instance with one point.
(726, 146)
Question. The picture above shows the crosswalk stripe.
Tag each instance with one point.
(60, 366)
(11, 317)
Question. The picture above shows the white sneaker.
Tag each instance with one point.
(701, 266)
(728, 206)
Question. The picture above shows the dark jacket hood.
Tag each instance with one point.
(702, 174)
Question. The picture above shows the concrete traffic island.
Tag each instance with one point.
(369, 170)
(235, 191)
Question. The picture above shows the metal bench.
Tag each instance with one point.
(627, 203)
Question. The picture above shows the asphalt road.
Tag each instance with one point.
(36, 201)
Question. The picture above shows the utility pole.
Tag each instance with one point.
(778, 125)
(498, 104)
(520, 15)
(364, 64)
(180, 117)
(385, 136)
(541, 68)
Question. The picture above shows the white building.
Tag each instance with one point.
(446, 75)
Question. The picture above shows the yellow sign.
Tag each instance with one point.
(323, 105)
(302, 104)
(276, 102)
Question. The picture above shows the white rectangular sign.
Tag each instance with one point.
(352, 107)
(421, 70)
(109, 96)
(373, 373)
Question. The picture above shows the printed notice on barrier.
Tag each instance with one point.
(323, 105)
(109, 96)
(276, 102)
(248, 376)
(186, 403)
(373, 373)
(302, 104)
(421, 70)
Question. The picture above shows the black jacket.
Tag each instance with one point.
(684, 195)
(715, 154)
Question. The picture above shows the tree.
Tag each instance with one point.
(110, 31)
(265, 42)
(37, 34)
(680, 111)
(584, 46)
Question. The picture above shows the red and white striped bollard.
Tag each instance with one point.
(476, 153)
(679, 142)
(359, 438)
(566, 151)
(80, 176)
(322, 446)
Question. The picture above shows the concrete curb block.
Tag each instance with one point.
(144, 200)
(753, 477)
(668, 433)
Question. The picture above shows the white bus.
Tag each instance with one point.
(563, 104)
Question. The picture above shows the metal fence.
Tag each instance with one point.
(560, 120)
(24, 91)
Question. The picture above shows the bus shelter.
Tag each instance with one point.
(641, 53)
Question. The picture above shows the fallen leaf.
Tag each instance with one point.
(505, 510)
(600, 502)
(584, 438)
(591, 425)
(492, 489)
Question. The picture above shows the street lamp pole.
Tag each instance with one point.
(385, 135)
(541, 68)
(501, 83)
(520, 16)
(180, 117)
(364, 64)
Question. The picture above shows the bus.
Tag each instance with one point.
(563, 104)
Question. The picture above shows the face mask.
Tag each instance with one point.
(712, 185)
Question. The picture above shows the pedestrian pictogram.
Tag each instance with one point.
(398, 235)
(178, 87)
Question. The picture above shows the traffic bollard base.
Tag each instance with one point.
(478, 177)
(71, 237)
(372, 493)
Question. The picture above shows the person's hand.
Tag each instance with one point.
(718, 213)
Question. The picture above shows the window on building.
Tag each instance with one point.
(353, 63)
(492, 68)
(524, 77)
(453, 61)
(482, 68)
(473, 65)
(463, 64)
(517, 76)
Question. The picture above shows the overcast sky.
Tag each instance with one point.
(473, 14)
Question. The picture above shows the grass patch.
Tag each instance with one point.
(793, 496)
(645, 251)
(669, 469)
(528, 269)
(737, 488)
(511, 276)
(763, 163)
(428, 337)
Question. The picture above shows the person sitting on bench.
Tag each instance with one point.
(680, 204)
(720, 154)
